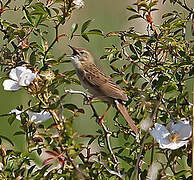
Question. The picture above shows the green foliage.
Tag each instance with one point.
(152, 67)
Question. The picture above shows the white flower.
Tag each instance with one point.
(33, 116)
(174, 136)
(19, 76)
(78, 3)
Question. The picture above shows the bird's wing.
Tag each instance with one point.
(103, 83)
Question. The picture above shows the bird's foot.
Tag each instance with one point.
(88, 100)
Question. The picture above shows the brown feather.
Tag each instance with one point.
(125, 114)
(103, 83)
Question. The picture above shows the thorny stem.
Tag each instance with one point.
(106, 131)
(54, 41)
(74, 166)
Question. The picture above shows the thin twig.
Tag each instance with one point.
(143, 141)
(106, 131)
(54, 41)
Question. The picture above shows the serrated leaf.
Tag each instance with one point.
(85, 25)
(95, 31)
(74, 27)
(134, 17)
(85, 36)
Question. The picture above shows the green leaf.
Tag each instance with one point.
(56, 10)
(132, 48)
(27, 15)
(134, 17)
(27, 25)
(7, 139)
(85, 36)
(38, 19)
(11, 119)
(61, 19)
(85, 25)
(131, 9)
(95, 31)
(74, 27)
(27, 2)
(19, 133)
(167, 15)
(73, 108)
(33, 58)
(114, 68)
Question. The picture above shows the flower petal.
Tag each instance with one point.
(26, 78)
(173, 145)
(39, 117)
(183, 128)
(159, 131)
(10, 85)
(16, 72)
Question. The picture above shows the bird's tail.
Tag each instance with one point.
(125, 114)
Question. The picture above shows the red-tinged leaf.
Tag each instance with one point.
(47, 161)
(52, 153)
(60, 35)
(61, 161)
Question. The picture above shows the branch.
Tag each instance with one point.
(106, 131)
(54, 41)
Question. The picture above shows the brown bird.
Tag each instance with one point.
(98, 84)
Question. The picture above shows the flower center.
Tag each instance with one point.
(174, 137)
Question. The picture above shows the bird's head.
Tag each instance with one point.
(82, 55)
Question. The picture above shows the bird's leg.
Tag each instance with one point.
(102, 117)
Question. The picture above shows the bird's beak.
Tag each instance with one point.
(75, 51)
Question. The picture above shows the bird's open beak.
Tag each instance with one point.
(75, 52)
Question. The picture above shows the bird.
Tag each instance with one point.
(98, 84)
